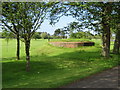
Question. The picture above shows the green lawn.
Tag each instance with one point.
(51, 66)
(70, 40)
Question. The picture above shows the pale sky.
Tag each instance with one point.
(64, 21)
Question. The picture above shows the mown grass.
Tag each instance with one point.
(51, 66)
(70, 40)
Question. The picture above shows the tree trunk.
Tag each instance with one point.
(27, 48)
(106, 41)
(18, 48)
(106, 38)
(106, 30)
(7, 45)
(116, 48)
(48, 39)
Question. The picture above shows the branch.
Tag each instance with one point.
(9, 27)
(38, 17)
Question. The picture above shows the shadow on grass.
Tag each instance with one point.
(52, 67)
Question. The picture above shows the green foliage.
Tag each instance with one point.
(37, 35)
(81, 34)
(90, 14)
(26, 16)
(11, 17)
(44, 35)
(73, 26)
(23, 19)
(7, 35)
(59, 33)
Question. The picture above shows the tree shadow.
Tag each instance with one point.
(44, 65)
(16, 71)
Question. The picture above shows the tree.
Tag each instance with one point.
(10, 20)
(116, 27)
(30, 16)
(88, 13)
(116, 48)
(33, 15)
(44, 35)
(72, 27)
(57, 32)
(7, 35)
(37, 35)
(48, 37)
(63, 34)
(89, 35)
(106, 10)
(97, 11)
(81, 34)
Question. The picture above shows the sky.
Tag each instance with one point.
(64, 21)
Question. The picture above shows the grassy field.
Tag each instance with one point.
(51, 66)
(69, 40)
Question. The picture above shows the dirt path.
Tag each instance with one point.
(105, 79)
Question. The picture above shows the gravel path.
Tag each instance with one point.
(105, 79)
